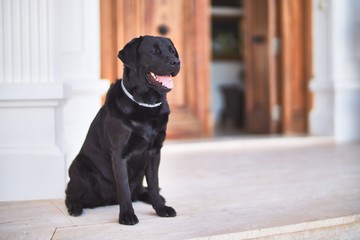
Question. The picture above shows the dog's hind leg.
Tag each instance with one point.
(76, 189)
(72, 202)
(137, 189)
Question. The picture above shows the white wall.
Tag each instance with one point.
(77, 51)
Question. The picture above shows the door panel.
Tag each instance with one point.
(278, 65)
(296, 63)
(188, 27)
(260, 66)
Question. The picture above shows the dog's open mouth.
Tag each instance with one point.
(163, 81)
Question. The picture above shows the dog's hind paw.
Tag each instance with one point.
(128, 218)
(75, 210)
(166, 211)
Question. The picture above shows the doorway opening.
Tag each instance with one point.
(227, 67)
(270, 97)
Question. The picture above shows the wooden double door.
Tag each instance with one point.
(187, 24)
(277, 59)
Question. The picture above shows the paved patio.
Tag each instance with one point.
(277, 188)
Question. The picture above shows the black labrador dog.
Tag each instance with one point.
(124, 140)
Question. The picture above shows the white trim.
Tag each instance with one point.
(322, 85)
(28, 103)
(352, 85)
(30, 91)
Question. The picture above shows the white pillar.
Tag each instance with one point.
(336, 83)
(50, 90)
(31, 163)
(345, 57)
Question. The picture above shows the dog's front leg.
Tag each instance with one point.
(152, 178)
(119, 165)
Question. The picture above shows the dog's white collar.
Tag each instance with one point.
(139, 103)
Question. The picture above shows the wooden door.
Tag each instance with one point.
(278, 65)
(261, 85)
(187, 23)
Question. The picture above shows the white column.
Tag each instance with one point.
(31, 163)
(345, 46)
(50, 90)
(336, 83)
(321, 119)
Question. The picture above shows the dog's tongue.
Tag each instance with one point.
(166, 81)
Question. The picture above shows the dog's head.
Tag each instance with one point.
(154, 60)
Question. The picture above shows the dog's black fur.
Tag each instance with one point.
(124, 140)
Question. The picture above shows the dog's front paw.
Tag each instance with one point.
(166, 211)
(128, 218)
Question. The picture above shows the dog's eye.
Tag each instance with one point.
(171, 50)
(157, 50)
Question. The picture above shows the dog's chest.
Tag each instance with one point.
(150, 131)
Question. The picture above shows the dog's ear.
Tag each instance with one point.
(128, 55)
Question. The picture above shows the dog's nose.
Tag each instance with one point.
(175, 63)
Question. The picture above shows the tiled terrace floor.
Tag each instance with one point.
(282, 188)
